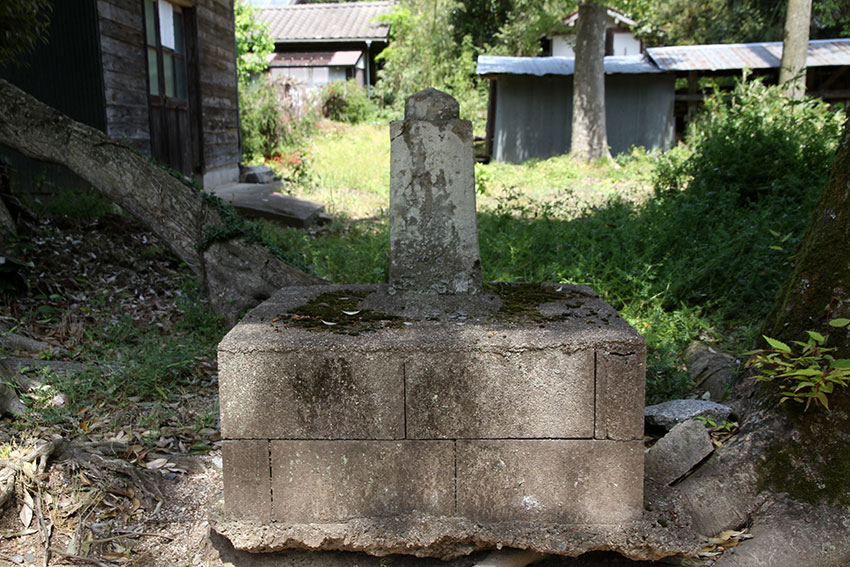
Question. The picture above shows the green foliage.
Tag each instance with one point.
(422, 53)
(527, 23)
(253, 42)
(346, 252)
(831, 18)
(684, 22)
(346, 102)
(80, 205)
(271, 120)
(23, 25)
(786, 146)
(808, 375)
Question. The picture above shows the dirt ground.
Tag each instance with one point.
(94, 488)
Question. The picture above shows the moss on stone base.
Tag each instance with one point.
(522, 300)
(812, 464)
(339, 312)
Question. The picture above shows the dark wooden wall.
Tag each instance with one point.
(65, 71)
(218, 90)
(122, 44)
(104, 83)
(125, 78)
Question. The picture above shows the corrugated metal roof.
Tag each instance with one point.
(822, 52)
(541, 66)
(306, 23)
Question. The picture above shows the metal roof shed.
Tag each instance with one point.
(531, 98)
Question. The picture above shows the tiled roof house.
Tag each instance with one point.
(322, 43)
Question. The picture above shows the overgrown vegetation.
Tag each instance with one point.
(688, 244)
(125, 314)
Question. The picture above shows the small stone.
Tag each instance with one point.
(668, 414)
(685, 446)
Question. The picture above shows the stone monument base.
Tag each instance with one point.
(423, 535)
(351, 420)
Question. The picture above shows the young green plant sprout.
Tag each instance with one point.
(808, 375)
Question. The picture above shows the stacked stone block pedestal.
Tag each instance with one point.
(436, 416)
(490, 420)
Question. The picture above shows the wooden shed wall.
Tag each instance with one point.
(122, 44)
(533, 115)
(217, 69)
(65, 71)
(125, 78)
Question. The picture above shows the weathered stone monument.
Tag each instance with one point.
(435, 415)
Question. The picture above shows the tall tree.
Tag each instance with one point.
(589, 134)
(254, 43)
(819, 286)
(795, 47)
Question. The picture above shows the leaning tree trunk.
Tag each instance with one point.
(809, 457)
(589, 136)
(236, 273)
(795, 47)
(819, 285)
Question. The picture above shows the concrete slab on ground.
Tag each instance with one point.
(265, 201)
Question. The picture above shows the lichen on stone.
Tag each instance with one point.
(339, 312)
(521, 301)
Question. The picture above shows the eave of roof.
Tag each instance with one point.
(491, 65)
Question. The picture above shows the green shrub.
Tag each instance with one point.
(346, 102)
(272, 118)
(807, 376)
(756, 143)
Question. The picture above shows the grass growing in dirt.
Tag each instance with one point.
(112, 300)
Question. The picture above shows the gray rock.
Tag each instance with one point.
(668, 414)
(255, 174)
(685, 446)
(712, 371)
(788, 533)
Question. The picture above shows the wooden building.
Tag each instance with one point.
(157, 75)
(317, 44)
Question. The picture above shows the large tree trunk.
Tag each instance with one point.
(236, 273)
(810, 458)
(795, 47)
(820, 282)
(589, 136)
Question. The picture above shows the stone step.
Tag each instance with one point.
(265, 201)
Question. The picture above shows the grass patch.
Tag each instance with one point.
(348, 169)
(135, 373)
